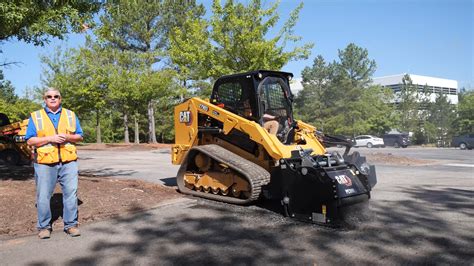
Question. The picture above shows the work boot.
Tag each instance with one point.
(73, 231)
(44, 233)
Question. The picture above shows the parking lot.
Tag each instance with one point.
(420, 213)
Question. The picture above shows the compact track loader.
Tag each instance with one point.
(227, 154)
(13, 148)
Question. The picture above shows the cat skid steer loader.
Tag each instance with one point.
(226, 154)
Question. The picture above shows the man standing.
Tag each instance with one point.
(53, 132)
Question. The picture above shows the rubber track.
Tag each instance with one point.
(255, 174)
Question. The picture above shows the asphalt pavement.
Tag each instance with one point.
(152, 165)
(421, 214)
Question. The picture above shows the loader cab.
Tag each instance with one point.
(254, 94)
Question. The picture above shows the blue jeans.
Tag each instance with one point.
(46, 177)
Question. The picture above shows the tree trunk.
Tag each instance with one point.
(137, 133)
(126, 138)
(151, 123)
(98, 133)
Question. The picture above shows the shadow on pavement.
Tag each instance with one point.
(56, 205)
(169, 181)
(413, 230)
(105, 172)
(16, 172)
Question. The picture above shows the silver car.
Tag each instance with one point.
(368, 141)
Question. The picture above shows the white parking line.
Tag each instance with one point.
(460, 164)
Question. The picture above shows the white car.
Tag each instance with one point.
(368, 141)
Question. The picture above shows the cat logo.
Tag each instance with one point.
(185, 117)
(343, 180)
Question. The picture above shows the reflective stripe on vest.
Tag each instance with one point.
(39, 120)
(69, 117)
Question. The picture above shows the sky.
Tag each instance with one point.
(422, 37)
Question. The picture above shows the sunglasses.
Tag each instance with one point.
(51, 96)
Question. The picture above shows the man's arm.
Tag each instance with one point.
(57, 139)
(78, 135)
(31, 136)
(40, 141)
(73, 138)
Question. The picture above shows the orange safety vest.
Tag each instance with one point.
(55, 153)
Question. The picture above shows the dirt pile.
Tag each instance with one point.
(99, 198)
(388, 158)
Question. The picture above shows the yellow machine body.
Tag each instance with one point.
(186, 128)
(227, 153)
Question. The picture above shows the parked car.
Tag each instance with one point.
(464, 141)
(368, 141)
(396, 140)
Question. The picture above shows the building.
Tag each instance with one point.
(433, 85)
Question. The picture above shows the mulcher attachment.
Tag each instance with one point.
(316, 188)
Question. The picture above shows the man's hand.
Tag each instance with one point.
(59, 138)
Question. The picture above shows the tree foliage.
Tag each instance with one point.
(338, 99)
(7, 91)
(464, 123)
(147, 56)
(235, 39)
(15, 107)
(441, 116)
(141, 29)
(409, 105)
(36, 21)
(312, 102)
(355, 66)
(81, 76)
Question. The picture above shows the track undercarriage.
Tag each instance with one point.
(213, 172)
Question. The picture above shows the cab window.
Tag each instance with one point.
(236, 97)
(274, 98)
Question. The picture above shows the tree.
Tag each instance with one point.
(82, 76)
(190, 50)
(355, 66)
(315, 97)
(7, 91)
(378, 113)
(235, 39)
(464, 123)
(36, 21)
(16, 108)
(143, 28)
(441, 115)
(408, 105)
(124, 93)
(339, 99)
(352, 77)
(159, 87)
